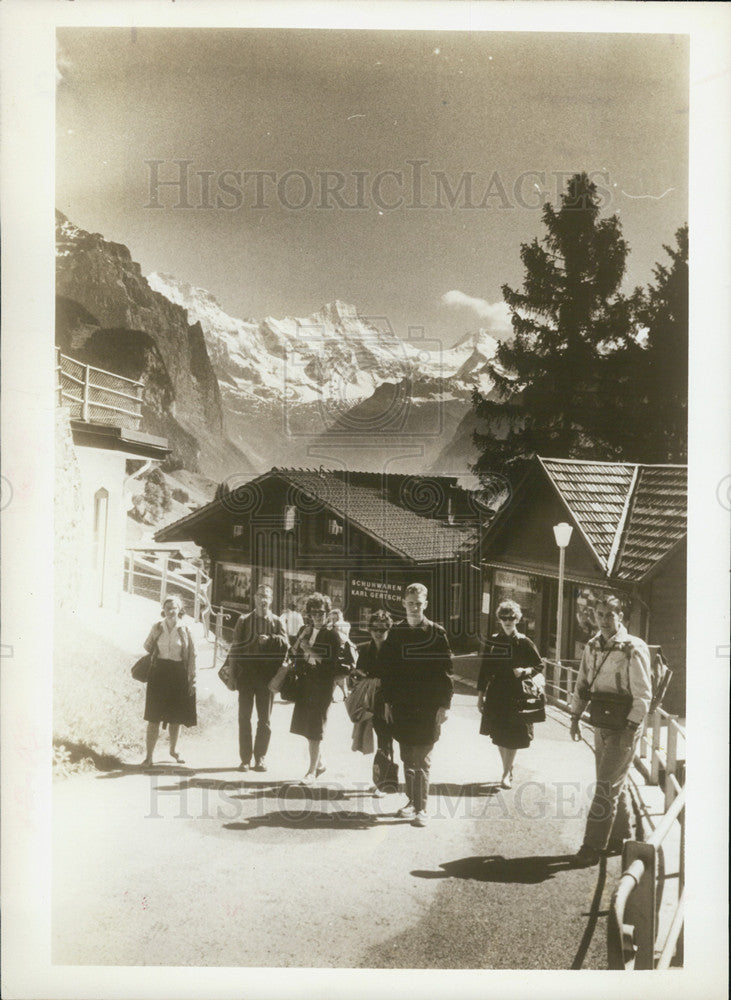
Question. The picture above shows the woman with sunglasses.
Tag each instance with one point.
(371, 664)
(318, 659)
(507, 657)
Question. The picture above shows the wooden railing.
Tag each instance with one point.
(666, 768)
(98, 396)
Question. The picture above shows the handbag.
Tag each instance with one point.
(385, 772)
(530, 704)
(141, 669)
(609, 710)
(226, 673)
(291, 685)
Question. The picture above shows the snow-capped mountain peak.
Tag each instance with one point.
(332, 353)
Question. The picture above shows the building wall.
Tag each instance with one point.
(68, 518)
(667, 600)
(101, 558)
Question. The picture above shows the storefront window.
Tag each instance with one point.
(334, 587)
(522, 589)
(296, 587)
(233, 585)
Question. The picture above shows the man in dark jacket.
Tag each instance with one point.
(257, 652)
(417, 689)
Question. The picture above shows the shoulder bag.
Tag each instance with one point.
(141, 669)
(608, 709)
(530, 704)
(226, 674)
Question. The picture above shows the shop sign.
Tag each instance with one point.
(376, 590)
(512, 581)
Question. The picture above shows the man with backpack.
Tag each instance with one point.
(615, 680)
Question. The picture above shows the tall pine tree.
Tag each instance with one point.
(661, 418)
(548, 379)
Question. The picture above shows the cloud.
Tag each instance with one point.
(496, 314)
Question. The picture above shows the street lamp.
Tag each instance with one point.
(562, 533)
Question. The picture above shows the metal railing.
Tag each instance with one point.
(157, 575)
(560, 680)
(222, 624)
(633, 912)
(98, 396)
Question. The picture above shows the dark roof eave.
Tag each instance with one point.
(111, 437)
(170, 532)
(657, 566)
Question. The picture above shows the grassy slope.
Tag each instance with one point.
(97, 707)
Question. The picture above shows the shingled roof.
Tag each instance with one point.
(361, 498)
(630, 515)
(398, 510)
(656, 521)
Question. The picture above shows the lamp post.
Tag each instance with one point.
(562, 533)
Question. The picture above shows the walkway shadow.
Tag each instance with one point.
(496, 868)
(171, 767)
(183, 779)
(310, 820)
(473, 789)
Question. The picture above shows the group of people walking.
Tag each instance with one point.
(408, 664)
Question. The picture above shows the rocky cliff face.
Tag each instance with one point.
(108, 316)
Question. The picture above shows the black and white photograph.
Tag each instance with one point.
(365, 499)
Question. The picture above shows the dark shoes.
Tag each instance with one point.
(260, 765)
(586, 857)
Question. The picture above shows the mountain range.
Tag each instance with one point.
(237, 396)
(335, 388)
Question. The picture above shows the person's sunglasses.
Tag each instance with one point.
(508, 618)
(376, 629)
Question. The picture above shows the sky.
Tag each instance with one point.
(399, 171)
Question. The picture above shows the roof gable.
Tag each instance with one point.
(596, 494)
(631, 515)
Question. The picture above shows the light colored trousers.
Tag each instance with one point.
(610, 815)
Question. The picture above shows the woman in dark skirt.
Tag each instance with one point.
(318, 659)
(507, 657)
(170, 698)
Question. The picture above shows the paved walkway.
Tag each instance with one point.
(203, 865)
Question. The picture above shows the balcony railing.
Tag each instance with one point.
(97, 396)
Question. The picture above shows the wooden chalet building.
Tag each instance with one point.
(358, 537)
(629, 535)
